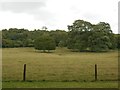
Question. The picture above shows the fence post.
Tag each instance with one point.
(24, 73)
(95, 72)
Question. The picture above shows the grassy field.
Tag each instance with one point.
(61, 67)
(98, 84)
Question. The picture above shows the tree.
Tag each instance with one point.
(44, 28)
(78, 35)
(101, 38)
(117, 37)
(84, 36)
(118, 41)
(61, 44)
(7, 43)
(44, 42)
(25, 38)
(59, 36)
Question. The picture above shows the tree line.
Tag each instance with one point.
(14, 37)
(81, 36)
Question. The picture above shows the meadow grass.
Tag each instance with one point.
(59, 66)
(98, 84)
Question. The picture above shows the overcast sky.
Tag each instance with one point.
(56, 14)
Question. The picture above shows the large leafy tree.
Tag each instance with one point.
(85, 36)
(78, 35)
(44, 42)
(101, 38)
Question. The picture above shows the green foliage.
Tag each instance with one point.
(78, 35)
(101, 37)
(14, 36)
(117, 39)
(45, 42)
(82, 36)
(25, 38)
(7, 43)
(61, 44)
(99, 42)
(59, 36)
(85, 36)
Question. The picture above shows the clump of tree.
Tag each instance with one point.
(14, 37)
(117, 37)
(60, 37)
(84, 36)
(45, 42)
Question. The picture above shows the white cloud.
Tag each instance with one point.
(18, 20)
(57, 14)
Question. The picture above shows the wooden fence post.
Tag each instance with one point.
(95, 72)
(24, 73)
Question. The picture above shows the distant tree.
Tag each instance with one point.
(45, 42)
(84, 36)
(59, 36)
(44, 28)
(61, 44)
(18, 43)
(117, 37)
(7, 43)
(28, 43)
(118, 41)
(78, 35)
(25, 38)
(101, 38)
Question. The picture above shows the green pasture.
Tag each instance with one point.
(61, 67)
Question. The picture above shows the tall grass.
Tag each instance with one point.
(60, 65)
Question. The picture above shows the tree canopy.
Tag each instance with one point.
(81, 36)
(14, 37)
(44, 42)
(84, 36)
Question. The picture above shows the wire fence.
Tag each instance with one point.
(86, 73)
